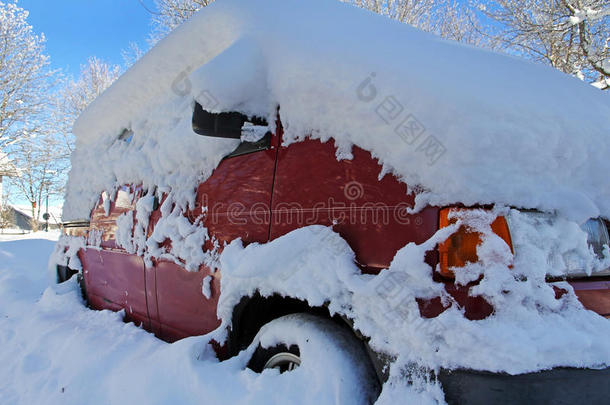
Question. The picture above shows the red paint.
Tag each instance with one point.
(115, 279)
(594, 295)
(312, 187)
(475, 307)
(183, 310)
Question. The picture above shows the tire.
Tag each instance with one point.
(320, 346)
(64, 274)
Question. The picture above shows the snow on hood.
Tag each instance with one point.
(469, 125)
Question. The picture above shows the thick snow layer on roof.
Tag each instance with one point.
(468, 125)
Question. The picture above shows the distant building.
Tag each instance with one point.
(18, 218)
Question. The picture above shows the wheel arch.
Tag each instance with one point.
(254, 311)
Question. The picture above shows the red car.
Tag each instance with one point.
(262, 191)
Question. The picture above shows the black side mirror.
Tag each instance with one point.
(221, 125)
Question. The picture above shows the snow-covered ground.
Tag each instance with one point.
(12, 235)
(53, 350)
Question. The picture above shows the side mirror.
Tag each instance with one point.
(221, 125)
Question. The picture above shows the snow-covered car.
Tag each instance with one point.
(307, 179)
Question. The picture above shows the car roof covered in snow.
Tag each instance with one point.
(469, 125)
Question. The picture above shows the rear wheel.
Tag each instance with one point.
(319, 345)
(64, 273)
(283, 361)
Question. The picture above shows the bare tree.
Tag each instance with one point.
(446, 18)
(131, 54)
(7, 216)
(40, 166)
(172, 13)
(570, 35)
(76, 94)
(24, 75)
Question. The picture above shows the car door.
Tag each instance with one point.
(313, 187)
(114, 278)
(235, 203)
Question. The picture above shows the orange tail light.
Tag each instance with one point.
(461, 247)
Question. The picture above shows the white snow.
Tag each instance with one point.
(124, 232)
(65, 254)
(55, 351)
(529, 329)
(186, 238)
(206, 287)
(468, 125)
(52, 235)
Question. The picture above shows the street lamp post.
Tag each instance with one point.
(46, 214)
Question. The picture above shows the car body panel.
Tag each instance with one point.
(594, 294)
(115, 280)
(368, 212)
(232, 203)
(183, 310)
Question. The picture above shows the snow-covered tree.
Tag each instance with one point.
(40, 165)
(131, 54)
(76, 94)
(570, 35)
(42, 155)
(7, 216)
(24, 75)
(446, 18)
(172, 13)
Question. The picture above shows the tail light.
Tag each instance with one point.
(461, 247)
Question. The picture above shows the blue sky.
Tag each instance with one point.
(78, 29)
